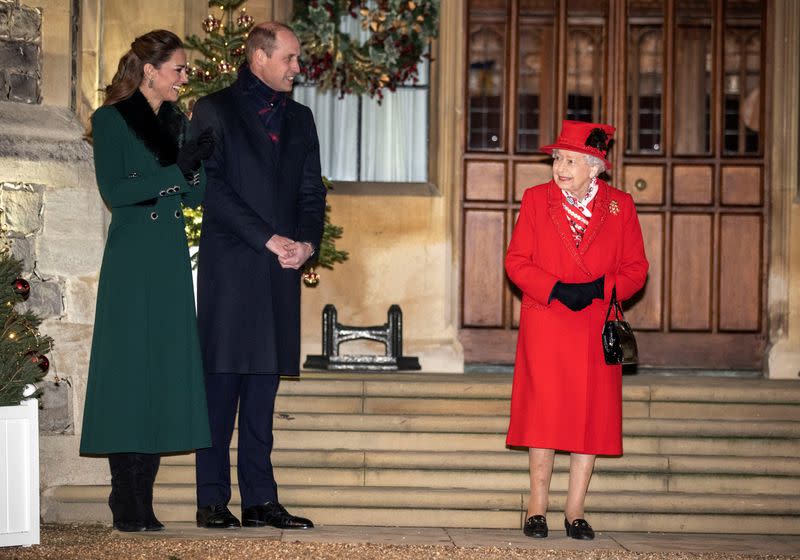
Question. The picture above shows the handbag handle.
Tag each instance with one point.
(614, 305)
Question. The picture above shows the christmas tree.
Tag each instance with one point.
(221, 54)
(22, 348)
(221, 50)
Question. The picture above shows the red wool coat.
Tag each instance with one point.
(564, 396)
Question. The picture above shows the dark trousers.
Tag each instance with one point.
(255, 395)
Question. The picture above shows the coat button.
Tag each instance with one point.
(177, 213)
(162, 192)
(154, 215)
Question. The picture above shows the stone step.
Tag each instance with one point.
(654, 388)
(609, 511)
(430, 441)
(495, 499)
(345, 404)
(514, 460)
(499, 424)
(516, 480)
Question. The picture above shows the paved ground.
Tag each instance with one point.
(186, 542)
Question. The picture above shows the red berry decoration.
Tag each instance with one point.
(22, 288)
(43, 363)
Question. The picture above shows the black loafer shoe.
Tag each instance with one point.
(535, 527)
(217, 516)
(579, 529)
(274, 515)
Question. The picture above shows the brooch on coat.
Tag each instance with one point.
(613, 207)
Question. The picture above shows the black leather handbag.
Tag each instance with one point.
(619, 345)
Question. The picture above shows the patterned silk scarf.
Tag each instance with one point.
(578, 212)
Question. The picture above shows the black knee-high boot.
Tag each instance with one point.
(123, 500)
(148, 464)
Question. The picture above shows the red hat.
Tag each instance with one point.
(584, 137)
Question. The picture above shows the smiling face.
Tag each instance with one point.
(572, 173)
(167, 79)
(278, 69)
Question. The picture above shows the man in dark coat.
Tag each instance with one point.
(262, 220)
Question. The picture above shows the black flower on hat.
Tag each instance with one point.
(598, 139)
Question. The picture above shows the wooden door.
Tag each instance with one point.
(680, 79)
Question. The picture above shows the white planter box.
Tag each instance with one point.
(19, 474)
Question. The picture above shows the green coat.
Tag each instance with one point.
(145, 390)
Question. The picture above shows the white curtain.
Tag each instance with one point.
(337, 127)
(394, 134)
(394, 143)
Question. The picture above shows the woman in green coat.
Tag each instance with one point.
(145, 393)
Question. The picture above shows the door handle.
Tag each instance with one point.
(640, 184)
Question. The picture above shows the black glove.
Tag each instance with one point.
(578, 296)
(194, 151)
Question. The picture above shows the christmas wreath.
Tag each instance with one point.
(400, 33)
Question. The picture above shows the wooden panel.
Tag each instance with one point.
(690, 293)
(485, 180)
(692, 184)
(646, 307)
(645, 183)
(740, 273)
(494, 346)
(484, 277)
(741, 185)
(656, 349)
(529, 175)
(707, 351)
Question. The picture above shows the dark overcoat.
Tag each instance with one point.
(564, 396)
(145, 389)
(248, 306)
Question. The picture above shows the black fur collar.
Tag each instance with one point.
(161, 134)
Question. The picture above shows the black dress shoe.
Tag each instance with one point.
(217, 516)
(129, 526)
(579, 529)
(535, 526)
(274, 515)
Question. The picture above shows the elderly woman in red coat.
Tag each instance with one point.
(576, 239)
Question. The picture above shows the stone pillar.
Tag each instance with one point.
(784, 267)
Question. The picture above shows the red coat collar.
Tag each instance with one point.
(599, 215)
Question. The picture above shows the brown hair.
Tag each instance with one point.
(263, 37)
(155, 48)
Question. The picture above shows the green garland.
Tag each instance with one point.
(401, 32)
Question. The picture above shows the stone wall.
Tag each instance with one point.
(20, 52)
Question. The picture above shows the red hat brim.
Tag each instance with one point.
(573, 148)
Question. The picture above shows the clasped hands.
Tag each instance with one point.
(291, 254)
(577, 296)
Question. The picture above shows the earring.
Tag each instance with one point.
(150, 83)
